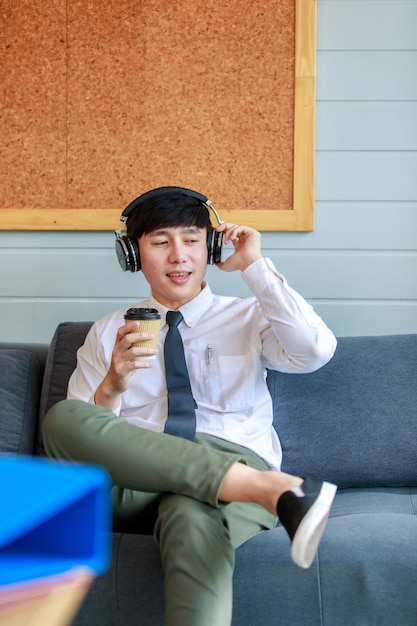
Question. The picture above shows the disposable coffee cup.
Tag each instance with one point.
(149, 321)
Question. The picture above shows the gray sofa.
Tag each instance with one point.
(354, 422)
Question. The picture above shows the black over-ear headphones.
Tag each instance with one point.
(127, 248)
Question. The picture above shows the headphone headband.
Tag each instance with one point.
(127, 249)
(160, 191)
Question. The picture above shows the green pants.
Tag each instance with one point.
(178, 481)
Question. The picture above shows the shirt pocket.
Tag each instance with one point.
(226, 383)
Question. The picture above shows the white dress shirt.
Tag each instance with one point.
(228, 342)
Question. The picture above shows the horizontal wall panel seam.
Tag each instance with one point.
(365, 151)
(366, 50)
(367, 101)
(374, 23)
(313, 274)
(115, 304)
(368, 75)
(34, 322)
(358, 176)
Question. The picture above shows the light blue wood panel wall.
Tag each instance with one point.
(359, 266)
(366, 161)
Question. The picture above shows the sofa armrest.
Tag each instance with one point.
(60, 363)
(20, 384)
(39, 350)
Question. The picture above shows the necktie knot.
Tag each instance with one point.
(174, 318)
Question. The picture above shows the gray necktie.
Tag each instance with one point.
(181, 404)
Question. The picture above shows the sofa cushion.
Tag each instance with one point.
(20, 383)
(60, 363)
(354, 421)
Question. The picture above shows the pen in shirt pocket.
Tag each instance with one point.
(209, 354)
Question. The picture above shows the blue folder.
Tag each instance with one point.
(53, 517)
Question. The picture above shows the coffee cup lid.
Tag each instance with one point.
(138, 313)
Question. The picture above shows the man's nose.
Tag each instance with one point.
(177, 252)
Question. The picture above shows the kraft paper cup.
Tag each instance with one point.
(148, 321)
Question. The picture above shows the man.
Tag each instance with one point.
(215, 493)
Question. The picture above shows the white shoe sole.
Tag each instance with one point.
(308, 535)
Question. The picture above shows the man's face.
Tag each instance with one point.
(174, 261)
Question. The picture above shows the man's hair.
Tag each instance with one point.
(172, 208)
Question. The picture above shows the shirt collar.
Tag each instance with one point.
(192, 310)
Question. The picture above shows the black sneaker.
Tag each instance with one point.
(303, 512)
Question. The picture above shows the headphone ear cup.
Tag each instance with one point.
(127, 251)
(214, 246)
(217, 247)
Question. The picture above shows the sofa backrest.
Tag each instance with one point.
(354, 421)
(60, 363)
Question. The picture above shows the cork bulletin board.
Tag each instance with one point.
(102, 101)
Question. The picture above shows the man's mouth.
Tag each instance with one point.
(178, 277)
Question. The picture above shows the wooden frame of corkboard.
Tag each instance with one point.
(47, 208)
